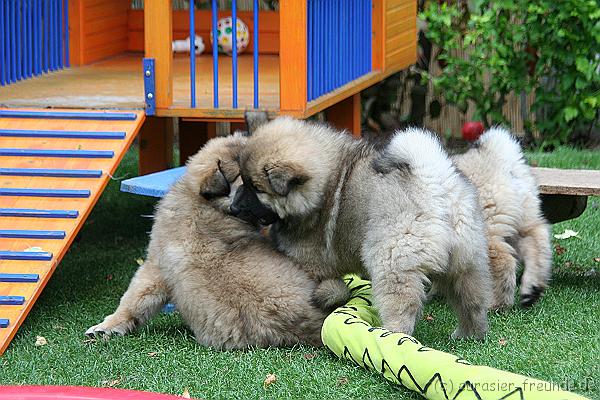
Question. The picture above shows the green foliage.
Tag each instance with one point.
(549, 47)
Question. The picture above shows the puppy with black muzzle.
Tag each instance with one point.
(404, 215)
(229, 284)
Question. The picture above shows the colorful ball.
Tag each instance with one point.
(225, 35)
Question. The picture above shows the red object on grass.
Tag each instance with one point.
(472, 130)
(77, 393)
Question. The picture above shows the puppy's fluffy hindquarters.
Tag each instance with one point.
(509, 197)
(429, 229)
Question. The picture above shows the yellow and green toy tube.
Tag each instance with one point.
(351, 332)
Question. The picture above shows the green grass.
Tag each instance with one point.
(558, 339)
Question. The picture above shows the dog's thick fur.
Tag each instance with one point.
(402, 214)
(229, 284)
(509, 197)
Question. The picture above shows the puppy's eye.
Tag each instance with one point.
(256, 189)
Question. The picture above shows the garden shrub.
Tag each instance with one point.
(548, 47)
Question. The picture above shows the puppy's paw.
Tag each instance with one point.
(109, 327)
(460, 334)
(529, 296)
(330, 294)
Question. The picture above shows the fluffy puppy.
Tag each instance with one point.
(228, 283)
(403, 215)
(508, 195)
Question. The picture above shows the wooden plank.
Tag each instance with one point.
(379, 18)
(75, 32)
(26, 210)
(158, 45)
(577, 182)
(346, 114)
(292, 56)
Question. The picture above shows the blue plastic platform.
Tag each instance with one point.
(153, 185)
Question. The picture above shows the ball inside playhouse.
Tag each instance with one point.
(225, 35)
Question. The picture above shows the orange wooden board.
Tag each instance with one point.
(17, 314)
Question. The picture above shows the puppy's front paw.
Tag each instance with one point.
(460, 334)
(110, 326)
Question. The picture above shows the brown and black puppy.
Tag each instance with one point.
(402, 214)
(230, 285)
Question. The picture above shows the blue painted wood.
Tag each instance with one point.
(13, 42)
(11, 300)
(19, 278)
(57, 153)
(46, 35)
(80, 115)
(154, 185)
(234, 55)
(51, 42)
(4, 323)
(215, 49)
(2, 40)
(255, 10)
(62, 193)
(26, 255)
(59, 33)
(66, 32)
(192, 55)
(31, 234)
(149, 86)
(27, 37)
(34, 213)
(58, 173)
(61, 134)
(17, 38)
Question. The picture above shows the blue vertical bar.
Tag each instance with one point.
(45, 34)
(17, 39)
(215, 49)
(28, 39)
(13, 36)
(309, 42)
(234, 60)
(52, 35)
(56, 36)
(321, 66)
(34, 23)
(192, 55)
(255, 10)
(2, 57)
(59, 34)
(50, 39)
(66, 32)
(40, 37)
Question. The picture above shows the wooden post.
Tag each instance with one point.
(292, 55)
(75, 32)
(158, 37)
(192, 136)
(379, 8)
(346, 114)
(155, 145)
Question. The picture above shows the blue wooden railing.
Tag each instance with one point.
(34, 38)
(338, 43)
(234, 57)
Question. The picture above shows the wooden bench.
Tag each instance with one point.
(564, 192)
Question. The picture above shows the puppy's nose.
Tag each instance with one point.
(234, 209)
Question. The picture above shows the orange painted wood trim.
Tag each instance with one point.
(379, 16)
(346, 115)
(158, 17)
(75, 32)
(292, 55)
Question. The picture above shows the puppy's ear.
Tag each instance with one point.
(216, 185)
(284, 177)
(255, 119)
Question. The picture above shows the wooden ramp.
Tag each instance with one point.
(53, 168)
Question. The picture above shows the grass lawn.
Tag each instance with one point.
(558, 339)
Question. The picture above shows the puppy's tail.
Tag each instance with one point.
(331, 294)
(417, 152)
(501, 145)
